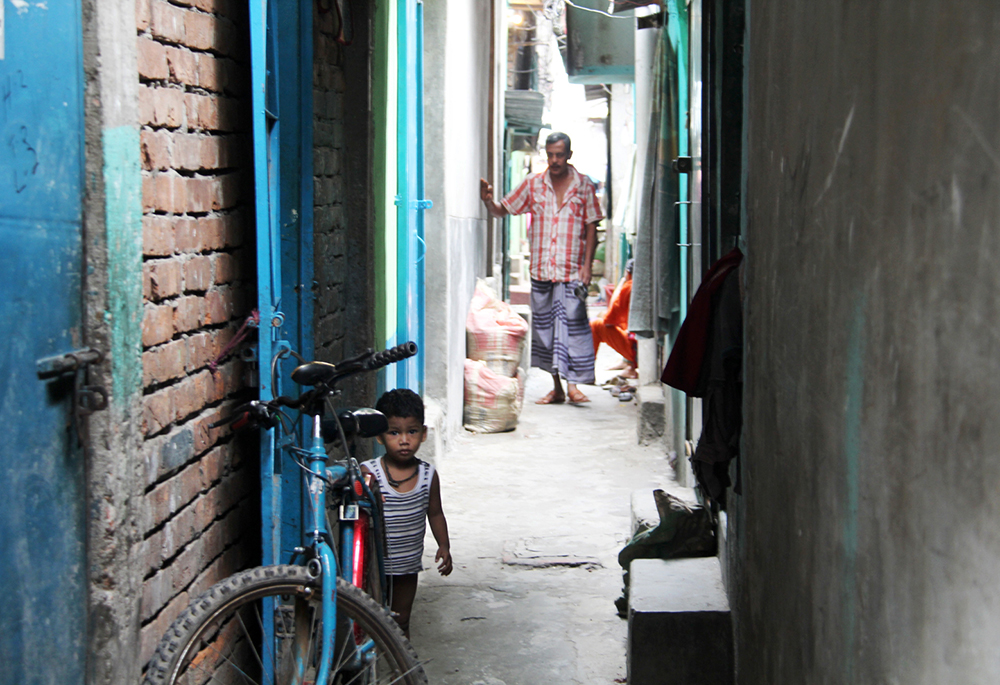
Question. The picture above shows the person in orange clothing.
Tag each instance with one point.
(612, 327)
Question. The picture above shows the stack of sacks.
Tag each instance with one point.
(494, 385)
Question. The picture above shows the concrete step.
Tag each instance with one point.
(645, 515)
(652, 423)
(679, 626)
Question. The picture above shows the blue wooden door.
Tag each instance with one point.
(42, 513)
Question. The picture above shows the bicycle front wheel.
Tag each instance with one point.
(220, 637)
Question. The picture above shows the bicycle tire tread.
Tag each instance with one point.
(189, 620)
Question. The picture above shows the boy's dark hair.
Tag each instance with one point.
(401, 403)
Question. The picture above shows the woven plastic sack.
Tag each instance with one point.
(492, 402)
(494, 332)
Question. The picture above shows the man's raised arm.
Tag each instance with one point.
(486, 194)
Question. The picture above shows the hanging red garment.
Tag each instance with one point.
(684, 366)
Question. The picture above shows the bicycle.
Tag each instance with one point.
(286, 624)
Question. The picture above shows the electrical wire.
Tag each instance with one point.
(591, 9)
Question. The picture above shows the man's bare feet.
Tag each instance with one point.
(629, 372)
(619, 366)
(552, 398)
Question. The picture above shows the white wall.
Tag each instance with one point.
(456, 133)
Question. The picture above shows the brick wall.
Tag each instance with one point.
(328, 189)
(343, 197)
(199, 520)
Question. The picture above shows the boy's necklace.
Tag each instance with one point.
(397, 483)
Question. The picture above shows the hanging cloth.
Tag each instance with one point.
(656, 286)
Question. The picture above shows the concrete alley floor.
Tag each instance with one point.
(554, 491)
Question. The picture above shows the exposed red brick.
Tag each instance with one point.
(199, 30)
(200, 193)
(213, 232)
(204, 436)
(192, 393)
(189, 313)
(150, 551)
(169, 193)
(166, 21)
(202, 111)
(226, 37)
(157, 324)
(201, 349)
(165, 278)
(211, 74)
(155, 149)
(227, 191)
(219, 305)
(157, 236)
(188, 150)
(228, 151)
(232, 376)
(148, 193)
(235, 227)
(152, 59)
(142, 14)
(197, 273)
(186, 235)
(164, 362)
(210, 152)
(157, 411)
(160, 106)
(224, 268)
(183, 66)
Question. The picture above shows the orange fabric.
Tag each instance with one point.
(612, 328)
(616, 337)
(617, 314)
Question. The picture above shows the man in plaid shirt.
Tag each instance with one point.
(562, 236)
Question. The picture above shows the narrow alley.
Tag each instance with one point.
(537, 518)
(198, 195)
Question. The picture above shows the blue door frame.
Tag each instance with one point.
(282, 68)
(43, 609)
(411, 248)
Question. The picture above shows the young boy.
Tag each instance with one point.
(411, 493)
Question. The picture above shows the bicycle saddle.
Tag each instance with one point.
(314, 373)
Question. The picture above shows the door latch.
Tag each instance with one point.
(89, 398)
(50, 367)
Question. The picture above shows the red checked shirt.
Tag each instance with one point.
(558, 234)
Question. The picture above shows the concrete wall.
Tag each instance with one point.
(456, 134)
(112, 305)
(866, 544)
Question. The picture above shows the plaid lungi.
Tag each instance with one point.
(560, 332)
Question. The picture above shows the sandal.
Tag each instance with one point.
(577, 397)
(551, 398)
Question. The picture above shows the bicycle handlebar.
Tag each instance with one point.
(266, 412)
(394, 354)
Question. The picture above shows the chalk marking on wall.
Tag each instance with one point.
(853, 407)
(20, 5)
(836, 160)
(978, 133)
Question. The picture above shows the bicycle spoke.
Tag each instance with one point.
(218, 642)
(198, 667)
